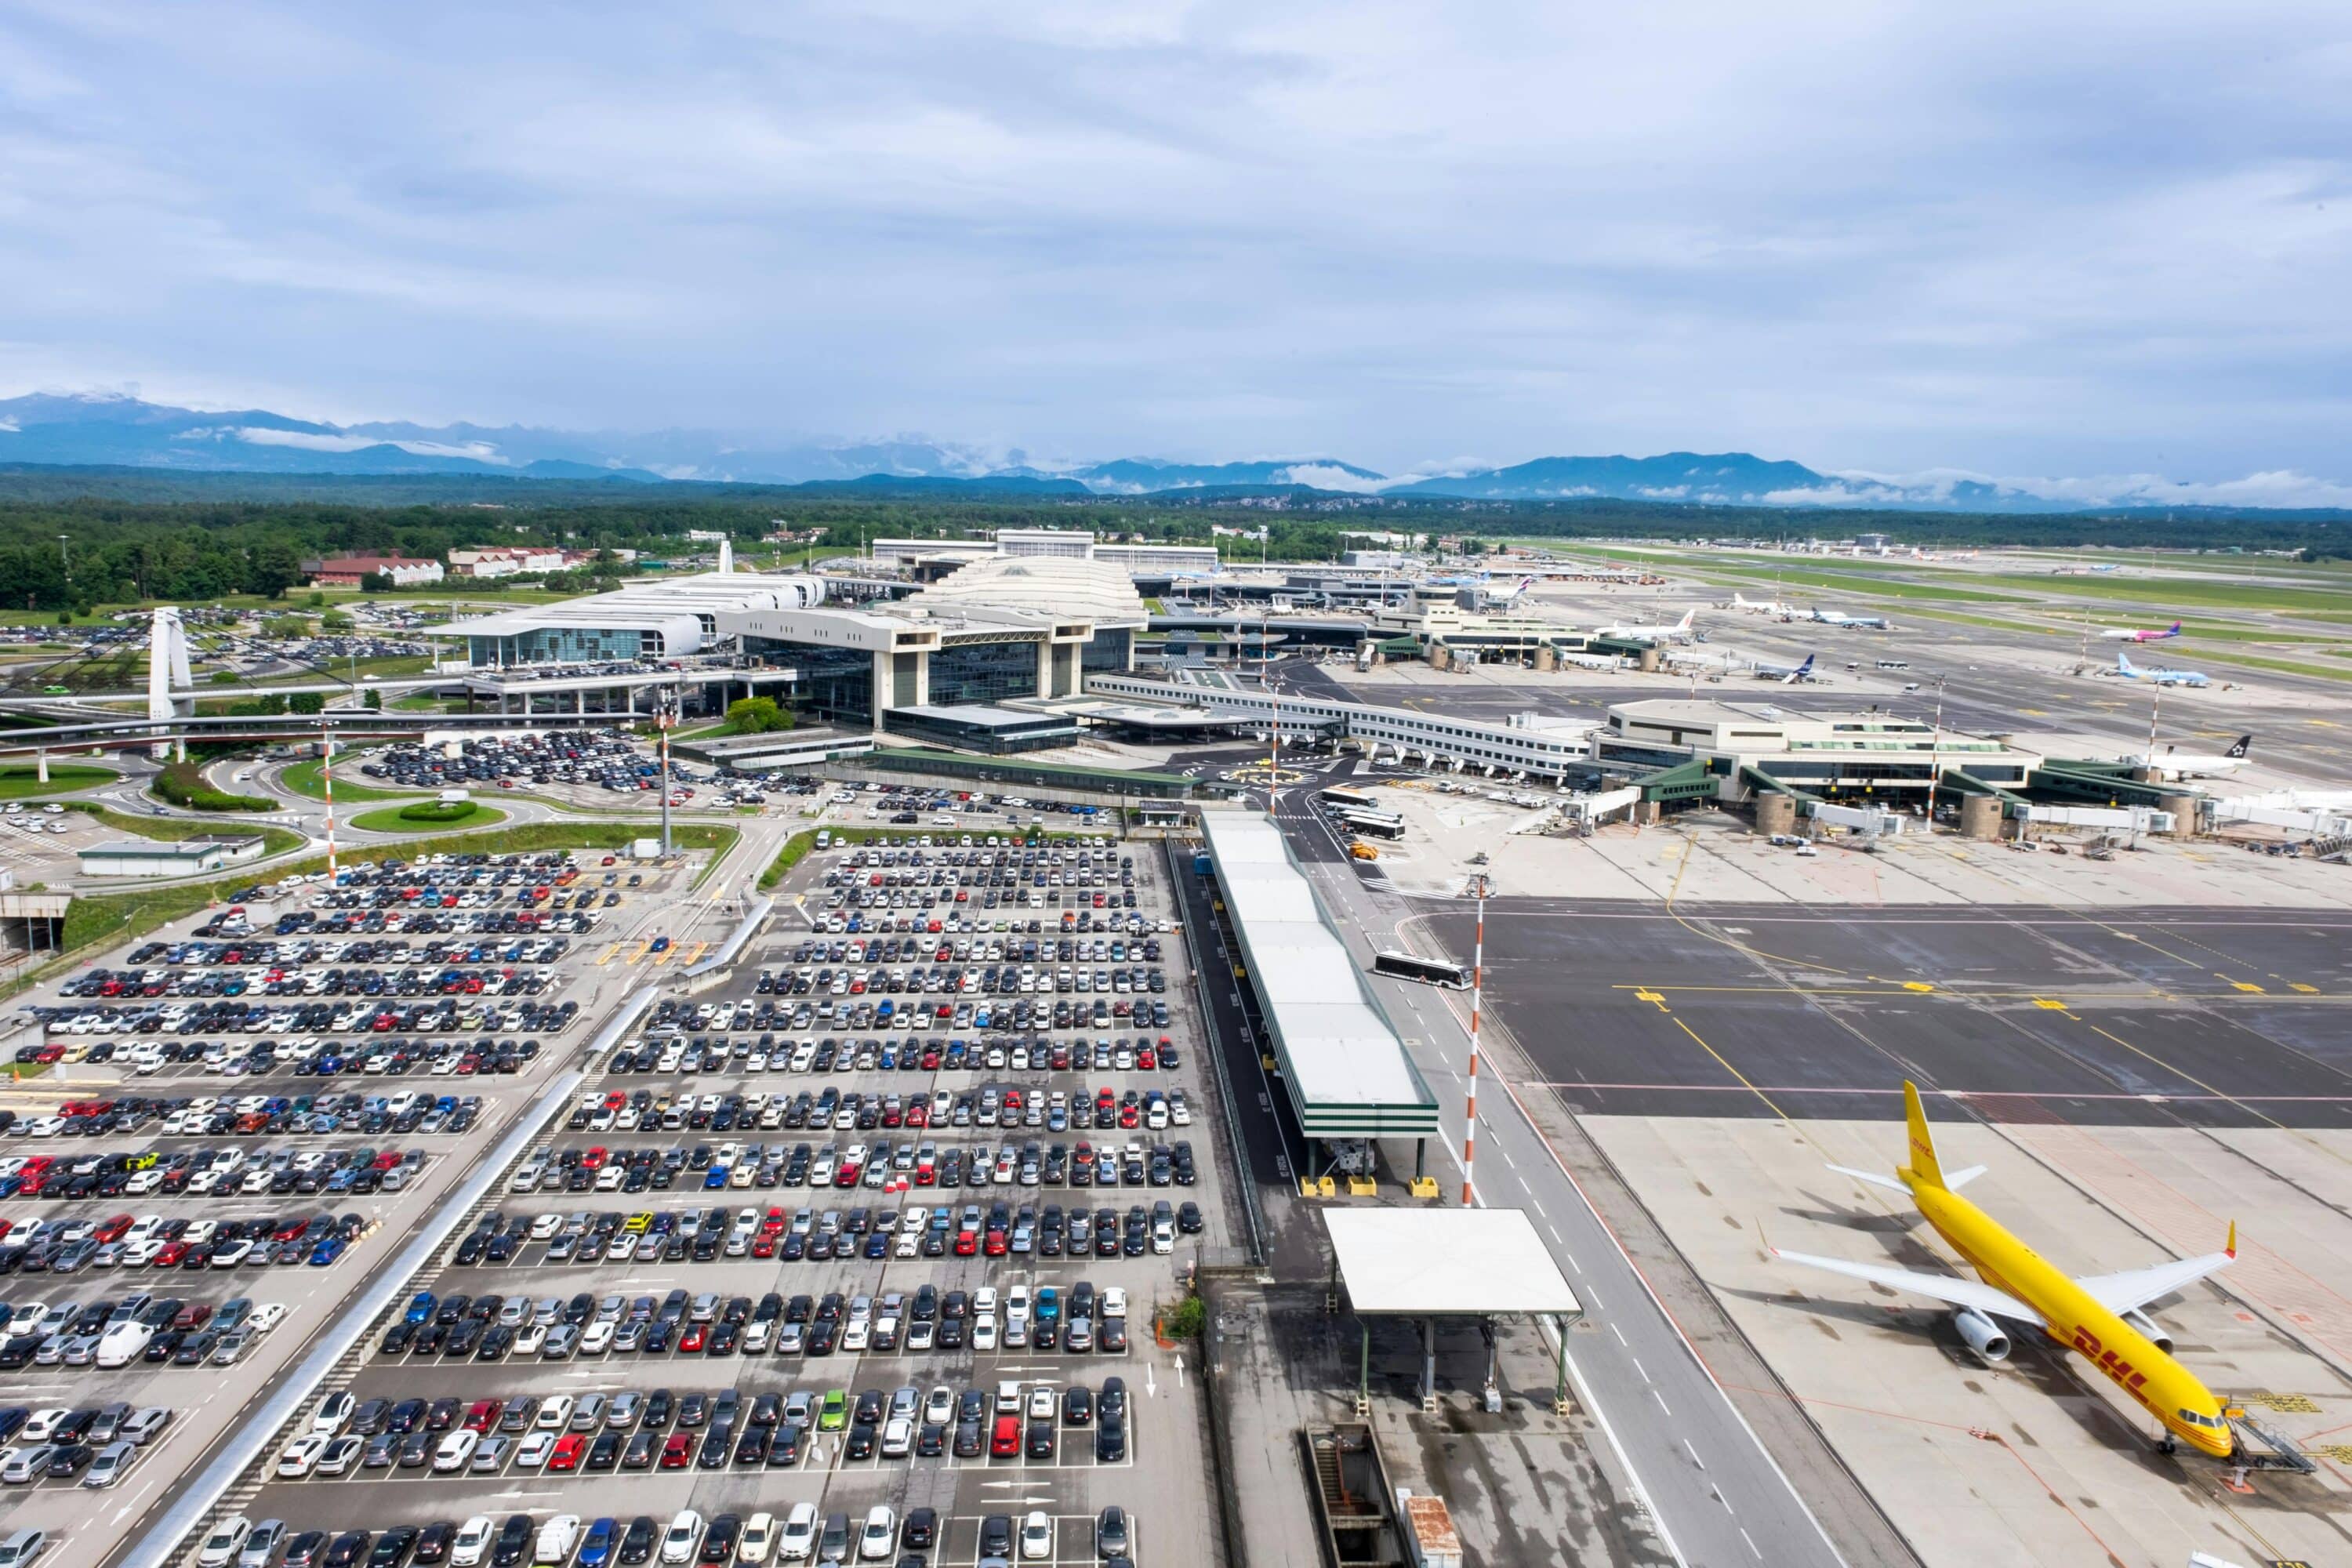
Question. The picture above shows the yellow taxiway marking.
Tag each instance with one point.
(2052, 1006)
(2238, 985)
(1916, 986)
(2299, 986)
(644, 945)
(2323, 724)
(693, 952)
(665, 954)
(1646, 994)
(606, 957)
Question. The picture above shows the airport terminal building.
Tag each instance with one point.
(997, 628)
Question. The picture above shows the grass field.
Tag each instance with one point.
(2178, 593)
(274, 841)
(303, 779)
(22, 783)
(389, 820)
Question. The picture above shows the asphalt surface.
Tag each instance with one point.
(2214, 1018)
(1710, 1483)
(1164, 1479)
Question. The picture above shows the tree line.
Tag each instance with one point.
(190, 539)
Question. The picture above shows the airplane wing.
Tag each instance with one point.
(2136, 1288)
(1941, 1287)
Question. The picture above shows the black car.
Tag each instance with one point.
(350, 1548)
(1110, 1440)
(393, 1547)
(513, 1543)
(637, 1541)
(996, 1535)
(921, 1530)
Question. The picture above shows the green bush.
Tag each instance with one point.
(439, 811)
(1185, 1319)
(757, 716)
(182, 784)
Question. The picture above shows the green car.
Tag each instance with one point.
(835, 1415)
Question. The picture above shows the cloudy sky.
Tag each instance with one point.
(2016, 239)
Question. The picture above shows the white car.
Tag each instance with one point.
(757, 1539)
(797, 1542)
(533, 1451)
(227, 1540)
(472, 1542)
(44, 1424)
(1114, 1301)
(879, 1533)
(556, 1413)
(685, 1534)
(341, 1454)
(983, 1332)
(1036, 1537)
(333, 1413)
(300, 1457)
(557, 1536)
(456, 1450)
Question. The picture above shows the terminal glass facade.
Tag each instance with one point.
(984, 672)
(1109, 650)
(836, 683)
(556, 644)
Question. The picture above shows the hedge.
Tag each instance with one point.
(439, 811)
(182, 784)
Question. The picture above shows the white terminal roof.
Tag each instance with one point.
(1019, 589)
(1345, 1067)
(665, 603)
(1446, 1262)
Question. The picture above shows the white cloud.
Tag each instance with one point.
(1372, 230)
(319, 441)
(1331, 477)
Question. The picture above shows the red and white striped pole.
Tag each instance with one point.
(327, 778)
(1477, 989)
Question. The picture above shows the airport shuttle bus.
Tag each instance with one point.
(1427, 971)
(1347, 800)
(1371, 823)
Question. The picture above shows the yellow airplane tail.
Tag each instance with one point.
(1924, 1166)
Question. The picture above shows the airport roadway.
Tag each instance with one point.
(1710, 1481)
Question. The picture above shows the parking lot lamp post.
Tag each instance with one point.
(1477, 989)
(327, 782)
(666, 715)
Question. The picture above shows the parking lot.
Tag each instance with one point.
(885, 1219)
(206, 1172)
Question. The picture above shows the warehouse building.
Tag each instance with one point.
(167, 856)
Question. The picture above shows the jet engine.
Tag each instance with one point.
(2155, 1332)
(1983, 1335)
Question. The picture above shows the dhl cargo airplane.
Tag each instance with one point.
(2098, 1315)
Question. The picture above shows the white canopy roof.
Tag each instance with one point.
(1446, 1262)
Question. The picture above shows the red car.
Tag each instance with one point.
(1005, 1441)
(482, 1415)
(676, 1449)
(696, 1336)
(967, 1242)
(568, 1452)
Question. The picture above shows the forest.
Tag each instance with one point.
(72, 540)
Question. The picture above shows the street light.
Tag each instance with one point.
(1477, 990)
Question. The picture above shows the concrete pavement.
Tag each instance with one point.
(1716, 1491)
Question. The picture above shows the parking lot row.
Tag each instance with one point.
(787, 1532)
(399, 1112)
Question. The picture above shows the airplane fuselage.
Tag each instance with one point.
(2076, 1319)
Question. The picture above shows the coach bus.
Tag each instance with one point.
(1427, 971)
(1372, 824)
(1347, 800)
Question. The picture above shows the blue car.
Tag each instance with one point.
(327, 1251)
(714, 1178)
(421, 1306)
(596, 1546)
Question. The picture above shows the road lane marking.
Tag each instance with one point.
(1694, 1458)
(1639, 1368)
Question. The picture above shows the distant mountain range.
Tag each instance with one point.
(50, 430)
